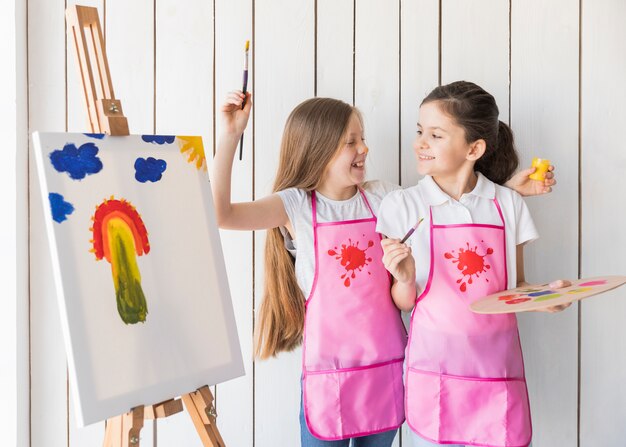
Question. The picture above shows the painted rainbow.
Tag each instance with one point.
(119, 235)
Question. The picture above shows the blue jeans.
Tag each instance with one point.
(383, 439)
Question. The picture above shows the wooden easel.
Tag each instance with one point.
(105, 115)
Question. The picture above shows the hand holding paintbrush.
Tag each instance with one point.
(235, 112)
(245, 88)
(398, 259)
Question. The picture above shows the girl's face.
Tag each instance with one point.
(347, 168)
(440, 146)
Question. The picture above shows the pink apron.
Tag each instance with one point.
(465, 373)
(354, 338)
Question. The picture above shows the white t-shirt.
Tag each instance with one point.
(403, 208)
(297, 204)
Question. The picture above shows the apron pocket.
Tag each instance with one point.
(463, 410)
(355, 401)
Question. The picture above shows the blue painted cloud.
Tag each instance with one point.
(158, 139)
(149, 169)
(97, 136)
(78, 163)
(60, 208)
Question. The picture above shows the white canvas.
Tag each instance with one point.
(182, 334)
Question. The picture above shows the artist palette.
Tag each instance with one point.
(523, 299)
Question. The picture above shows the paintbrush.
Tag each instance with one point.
(410, 232)
(245, 88)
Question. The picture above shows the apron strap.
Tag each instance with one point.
(366, 202)
(495, 201)
(314, 208)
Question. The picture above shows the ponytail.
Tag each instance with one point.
(476, 111)
(500, 162)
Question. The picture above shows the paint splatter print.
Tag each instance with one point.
(352, 258)
(471, 264)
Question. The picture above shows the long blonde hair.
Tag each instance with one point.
(312, 136)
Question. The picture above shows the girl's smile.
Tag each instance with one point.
(347, 168)
(424, 157)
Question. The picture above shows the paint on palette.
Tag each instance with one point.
(119, 235)
(593, 283)
(518, 301)
(550, 296)
(352, 258)
(545, 295)
(60, 208)
(149, 169)
(193, 148)
(471, 263)
(543, 292)
(77, 162)
(158, 139)
(97, 136)
(581, 290)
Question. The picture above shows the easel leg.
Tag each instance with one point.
(199, 405)
(124, 430)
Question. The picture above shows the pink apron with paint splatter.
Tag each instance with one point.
(465, 373)
(354, 338)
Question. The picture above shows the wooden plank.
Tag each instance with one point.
(419, 74)
(129, 31)
(603, 368)
(335, 46)
(48, 378)
(234, 399)
(377, 84)
(475, 46)
(544, 117)
(284, 76)
(183, 106)
(14, 344)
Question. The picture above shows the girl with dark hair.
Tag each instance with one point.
(464, 372)
(330, 290)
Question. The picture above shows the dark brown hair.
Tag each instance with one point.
(311, 138)
(476, 112)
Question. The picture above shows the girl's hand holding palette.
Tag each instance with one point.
(527, 298)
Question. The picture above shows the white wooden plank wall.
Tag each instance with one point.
(47, 111)
(14, 378)
(544, 117)
(603, 365)
(172, 64)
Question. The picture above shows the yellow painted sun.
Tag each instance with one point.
(193, 148)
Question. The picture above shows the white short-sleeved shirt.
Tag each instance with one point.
(297, 204)
(401, 209)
